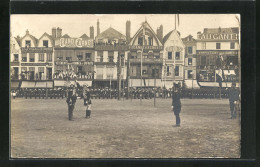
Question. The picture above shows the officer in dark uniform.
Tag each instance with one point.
(233, 99)
(71, 100)
(176, 103)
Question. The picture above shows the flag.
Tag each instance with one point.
(219, 76)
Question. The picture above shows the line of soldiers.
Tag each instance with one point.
(40, 93)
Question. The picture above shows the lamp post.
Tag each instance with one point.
(192, 74)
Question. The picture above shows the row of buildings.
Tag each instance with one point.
(112, 59)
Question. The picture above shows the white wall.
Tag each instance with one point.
(212, 46)
(27, 37)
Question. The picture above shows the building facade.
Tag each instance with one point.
(15, 58)
(36, 57)
(111, 51)
(173, 56)
(217, 54)
(190, 62)
(145, 58)
(74, 57)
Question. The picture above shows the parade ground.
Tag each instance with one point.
(123, 129)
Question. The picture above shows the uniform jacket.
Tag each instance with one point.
(176, 99)
(233, 94)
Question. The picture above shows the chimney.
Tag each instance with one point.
(160, 32)
(98, 28)
(198, 35)
(59, 32)
(53, 32)
(91, 32)
(128, 30)
(27, 32)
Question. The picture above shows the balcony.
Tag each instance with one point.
(147, 61)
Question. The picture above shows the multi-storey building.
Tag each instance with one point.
(110, 58)
(190, 62)
(15, 58)
(217, 54)
(37, 57)
(173, 59)
(74, 57)
(146, 54)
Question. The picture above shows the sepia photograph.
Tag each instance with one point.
(125, 86)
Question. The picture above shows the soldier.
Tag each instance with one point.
(233, 99)
(176, 104)
(71, 100)
(87, 103)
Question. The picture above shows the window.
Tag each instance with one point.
(100, 56)
(40, 70)
(190, 74)
(16, 57)
(150, 39)
(189, 61)
(79, 69)
(177, 72)
(140, 41)
(203, 45)
(41, 56)
(24, 57)
(32, 57)
(110, 71)
(203, 60)
(88, 56)
(190, 50)
(177, 56)
(79, 57)
(168, 71)
(69, 59)
(45, 43)
(110, 56)
(217, 45)
(60, 58)
(49, 56)
(27, 43)
(232, 45)
(170, 55)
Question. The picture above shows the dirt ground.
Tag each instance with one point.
(123, 129)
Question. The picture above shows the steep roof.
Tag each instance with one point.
(221, 30)
(110, 34)
(18, 40)
(31, 36)
(49, 36)
(84, 36)
(189, 38)
(65, 36)
(165, 38)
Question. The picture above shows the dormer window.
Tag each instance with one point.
(150, 39)
(28, 43)
(45, 43)
(140, 41)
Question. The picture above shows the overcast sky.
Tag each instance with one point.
(76, 25)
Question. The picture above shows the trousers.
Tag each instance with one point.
(177, 111)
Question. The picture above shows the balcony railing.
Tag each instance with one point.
(146, 60)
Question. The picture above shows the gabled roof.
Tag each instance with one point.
(110, 34)
(221, 30)
(165, 38)
(84, 36)
(65, 36)
(18, 40)
(189, 38)
(49, 36)
(35, 40)
(141, 29)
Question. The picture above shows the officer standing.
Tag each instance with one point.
(87, 103)
(71, 100)
(233, 99)
(176, 104)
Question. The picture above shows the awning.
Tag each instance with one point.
(229, 72)
(209, 84)
(88, 83)
(44, 84)
(14, 84)
(28, 84)
(191, 84)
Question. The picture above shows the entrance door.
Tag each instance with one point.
(49, 73)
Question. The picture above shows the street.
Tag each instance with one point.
(123, 129)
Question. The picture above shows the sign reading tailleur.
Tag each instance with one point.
(74, 42)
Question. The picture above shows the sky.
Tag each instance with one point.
(77, 24)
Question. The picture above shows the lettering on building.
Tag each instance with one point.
(218, 36)
(146, 47)
(36, 64)
(36, 50)
(74, 42)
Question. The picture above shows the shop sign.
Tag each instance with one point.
(218, 36)
(230, 52)
(111, 47)
(36, 64)
(146, 47)
(74, 43)
(75, 63)
(36, 50)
